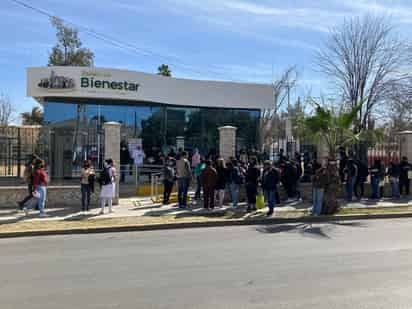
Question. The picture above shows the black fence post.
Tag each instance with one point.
(18, 153)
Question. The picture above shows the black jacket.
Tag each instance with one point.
(270, 179)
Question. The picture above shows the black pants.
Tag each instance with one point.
(359, 187)
(209, 197)
(29, 195)
(85, 196)
(251, 192)
(404, 184)
(168, 187)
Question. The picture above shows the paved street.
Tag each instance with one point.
(364, 264)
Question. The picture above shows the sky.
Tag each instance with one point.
(235, 40)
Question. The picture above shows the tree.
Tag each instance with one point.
(35, 117)
(333, 128)
(68, 50)
(363, 58)
(6, 110)
(164, 70)
(270, 117)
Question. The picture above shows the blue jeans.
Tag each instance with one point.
(270, 197)
(375, 187)
(234, 193)
(350, 185)
(183, 187)
(317, 200)
(395, 187)
(42, 200)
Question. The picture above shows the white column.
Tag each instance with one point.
(227, 142)
(406, 144)
(112, 150)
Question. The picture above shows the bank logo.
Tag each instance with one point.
(56, 82)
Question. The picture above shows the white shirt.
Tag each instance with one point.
(138, 156)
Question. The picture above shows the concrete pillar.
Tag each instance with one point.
(405, 145)
(227, 142)
(112, 150)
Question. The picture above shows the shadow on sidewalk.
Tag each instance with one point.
(308, 229)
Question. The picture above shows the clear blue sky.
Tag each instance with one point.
(241, 40)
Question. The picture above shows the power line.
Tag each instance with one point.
(115, 42)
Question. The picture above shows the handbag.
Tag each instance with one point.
(260, 201)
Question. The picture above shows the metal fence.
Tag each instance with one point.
(17, 144)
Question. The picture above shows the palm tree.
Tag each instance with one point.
(164, 70)
(35, 117)
(333, 129)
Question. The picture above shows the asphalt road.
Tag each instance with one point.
(364, 264)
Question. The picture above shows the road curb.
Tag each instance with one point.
(208, 224)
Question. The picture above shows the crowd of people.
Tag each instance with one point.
(213, 178)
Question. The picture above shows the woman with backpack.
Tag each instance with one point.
(86, 184)
(107, 181)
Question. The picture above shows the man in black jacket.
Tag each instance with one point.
(404, 181)
(270, 181)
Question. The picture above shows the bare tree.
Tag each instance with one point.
(270, 117)
(6, 110)
(364, 59)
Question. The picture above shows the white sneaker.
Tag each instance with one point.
(111, 211)
(26, 211)
(43, 215)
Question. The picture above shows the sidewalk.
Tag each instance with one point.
(141, 213)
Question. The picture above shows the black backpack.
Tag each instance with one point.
(105, 178)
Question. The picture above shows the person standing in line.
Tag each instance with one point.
(299, 174)
(86, 179)
(28, 178)
(197, 172)
(195, 158)
(289, 177)
(169, 177)
(404, 177)
(234, 180)
(393, 173)
(107, 182)
(350, 174)
(138, 156)
(377, 173)
(221, 181)
(183, 173)
(270, 181)
(252, 183)
(319, 183)
(40, 182)
(124, 160)
(209, 179)
(361, 179)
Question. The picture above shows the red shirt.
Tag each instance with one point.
(40, 178)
